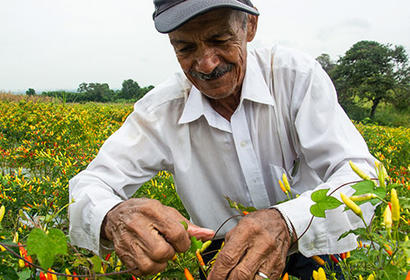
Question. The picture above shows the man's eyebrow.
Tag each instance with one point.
(178, 41)
(221, 34)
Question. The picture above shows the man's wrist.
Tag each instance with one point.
(291, 230)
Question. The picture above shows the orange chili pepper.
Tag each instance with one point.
(286, 276)
(318, 260)
(408, 275)
(200, 259)
(245, 212)
(188, 274)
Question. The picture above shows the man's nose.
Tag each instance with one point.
(206, 61)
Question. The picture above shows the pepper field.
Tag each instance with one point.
(44, 144)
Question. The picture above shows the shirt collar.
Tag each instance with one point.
(254, 88)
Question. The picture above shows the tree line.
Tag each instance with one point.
(370, 72)
(99, 92)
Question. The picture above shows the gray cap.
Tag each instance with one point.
(171, 14)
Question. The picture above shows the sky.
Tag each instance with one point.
(58, 44)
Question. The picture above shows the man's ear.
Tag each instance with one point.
(252, 26)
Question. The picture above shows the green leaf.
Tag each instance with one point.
(319, 195)
(323, 203)
(8, 273)
(358, 231)
(195, 244)
(364, 187)
(46, 246)
(184, 224)
(96, 263)
(24, 275)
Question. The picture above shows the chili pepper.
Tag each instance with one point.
(42, 276)
(75, 278)
(381, 174)
(353, 206)
(318, 260)
(347, 254)
(371, 277)
(286, 182)
(107, 257)
(387, 248)
(395, 206)
(334, 259)
(21, 263)
(282, 187)
(2, 211)
(359, 172)
(315, 275)
(68, 273)
(286, 276)
(360, 277)
(321, 274)
(205, 246)
(343, 256)
(408, 275)
(133, 277)
(387, 218)
(245, 212)
(188, 274)
(363, 197)
(200, 259)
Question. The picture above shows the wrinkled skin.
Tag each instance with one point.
(146, 234)
(259, 242)
(216, 41)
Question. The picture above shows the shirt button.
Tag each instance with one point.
(244, 143)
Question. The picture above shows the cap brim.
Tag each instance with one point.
(176, 16)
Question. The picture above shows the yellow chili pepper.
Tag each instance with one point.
(381, 173)
(286, 182)
(2, 211)
(205, 246)
(21, 263)
(321, 274)
(359, 172)
(315, 275)
(353, 206)
(68, 273)
(387, 218)
(371, 277)
(360, 277)
(395, 206)
(363, 197)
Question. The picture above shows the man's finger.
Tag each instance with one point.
(136, 258)
(248, 266)
(200, 233)
(152, 243)
(227, 259)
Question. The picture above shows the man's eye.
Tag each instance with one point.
(185, 49)
(220, 42)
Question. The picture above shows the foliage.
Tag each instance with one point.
(373, 72)
(31, 92)
(43, 145)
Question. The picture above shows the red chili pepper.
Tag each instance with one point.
(245, 213)
(343, 256)
(133, 277)
(42, 276)
(334, 259)
(75, 278)
(107, 257)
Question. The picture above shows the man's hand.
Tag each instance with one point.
(146, 234)
(259, 243)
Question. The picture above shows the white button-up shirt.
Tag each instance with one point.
(288, 121)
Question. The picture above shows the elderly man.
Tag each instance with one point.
(230, 125)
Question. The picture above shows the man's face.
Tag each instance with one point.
(211, 50)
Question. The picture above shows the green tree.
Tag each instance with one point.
(371, 71)
(31, 92)
(130, 90)
(96, 92)
(327, 64)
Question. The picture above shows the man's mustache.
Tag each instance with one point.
(215, 74)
